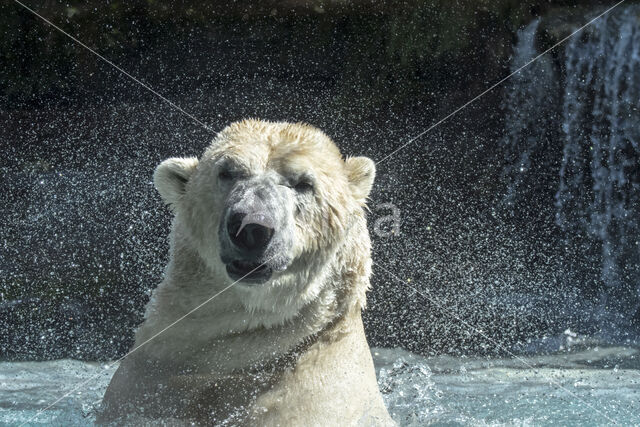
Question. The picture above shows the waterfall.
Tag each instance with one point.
(598, 180)
(529, 90)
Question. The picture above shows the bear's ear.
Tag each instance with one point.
(361, 171)
(171, 177)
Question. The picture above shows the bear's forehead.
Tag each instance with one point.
(280, 146)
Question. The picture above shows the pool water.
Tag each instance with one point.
(594, 386)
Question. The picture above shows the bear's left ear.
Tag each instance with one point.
(171, 177)
(361, 171)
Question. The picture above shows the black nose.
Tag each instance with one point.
(250, 233)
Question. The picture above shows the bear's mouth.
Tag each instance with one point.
(249, 271)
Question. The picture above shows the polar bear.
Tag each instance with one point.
(271, 221)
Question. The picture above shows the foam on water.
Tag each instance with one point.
(598, 386)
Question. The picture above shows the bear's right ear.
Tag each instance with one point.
(361, 172)
(171, 177)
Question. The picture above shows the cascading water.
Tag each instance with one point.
(529, 90)
(597, 184)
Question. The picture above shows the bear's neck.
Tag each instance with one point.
(220, 332)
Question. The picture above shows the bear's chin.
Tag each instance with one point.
(249, 273)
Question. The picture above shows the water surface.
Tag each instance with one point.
(596, 386)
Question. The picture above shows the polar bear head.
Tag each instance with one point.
(270, 205)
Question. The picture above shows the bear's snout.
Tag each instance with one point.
(250, 233)
(255, 231)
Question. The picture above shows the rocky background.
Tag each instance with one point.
(83, 235)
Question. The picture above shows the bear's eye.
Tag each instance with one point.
(225, 175)
(303, 187)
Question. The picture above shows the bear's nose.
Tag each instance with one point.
(250, 232)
